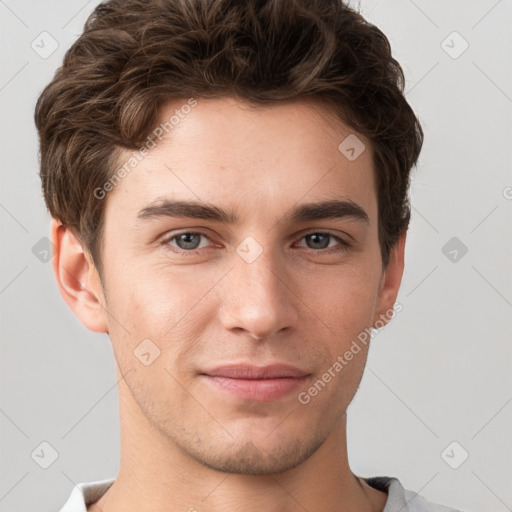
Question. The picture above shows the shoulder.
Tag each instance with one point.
(84, 494)
(404, 500)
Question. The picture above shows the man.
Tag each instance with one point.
(228, 185)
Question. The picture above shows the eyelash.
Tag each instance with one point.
(343, 245)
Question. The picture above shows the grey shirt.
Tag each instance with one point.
(399, 499)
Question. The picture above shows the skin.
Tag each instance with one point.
(186, 445)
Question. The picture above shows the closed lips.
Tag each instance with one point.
(255, 372)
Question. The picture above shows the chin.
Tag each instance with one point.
(249, 458)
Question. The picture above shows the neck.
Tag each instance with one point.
(155, 472)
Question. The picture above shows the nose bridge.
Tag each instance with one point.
(257, 296)
(259, 270)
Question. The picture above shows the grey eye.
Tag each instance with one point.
(320, 240)
(188, 241)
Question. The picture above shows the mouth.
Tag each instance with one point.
(257, 383)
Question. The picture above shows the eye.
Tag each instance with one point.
(188, 241)
(319, 241)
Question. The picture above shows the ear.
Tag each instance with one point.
(77, 279)
(390, 282)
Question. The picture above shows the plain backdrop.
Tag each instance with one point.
(437, 388)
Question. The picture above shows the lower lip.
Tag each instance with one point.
(261, 390)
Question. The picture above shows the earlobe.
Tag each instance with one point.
(77, 279)
(390, 283)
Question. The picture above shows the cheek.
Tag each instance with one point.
(343, 299)
(148, 298)
(164, 306)
(343, 310)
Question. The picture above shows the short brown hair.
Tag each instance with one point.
(136, 55)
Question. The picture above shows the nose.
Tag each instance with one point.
(258, 297)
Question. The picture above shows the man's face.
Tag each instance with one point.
(265, 289)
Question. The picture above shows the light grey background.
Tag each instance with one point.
(440, 372)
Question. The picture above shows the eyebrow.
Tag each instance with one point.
(331, 209)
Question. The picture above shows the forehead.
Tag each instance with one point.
(260, 159)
